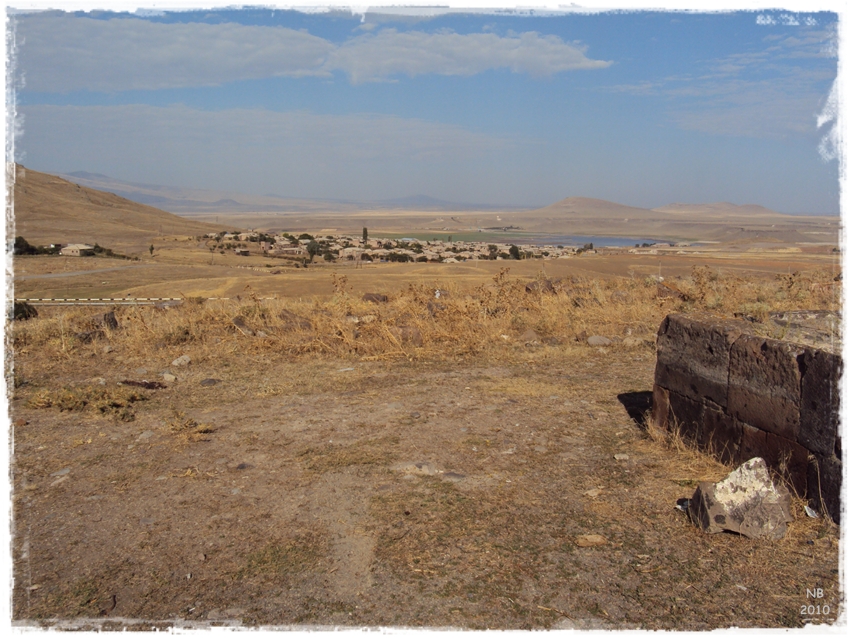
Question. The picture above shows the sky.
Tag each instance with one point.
(511, 108)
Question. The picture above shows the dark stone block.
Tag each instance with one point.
(693, 355)
(764, 385)
(660, 406)
(824, 485)
(787, 459)
(720, 434)
(685, 416)
(819, 401)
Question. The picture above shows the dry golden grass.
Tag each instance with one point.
(414, 323)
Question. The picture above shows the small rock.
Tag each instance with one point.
(241, 326)
(632, 342)
(415, 415)
(590, 540)
(182, 360)
(168, 378)
(261, 334)
(23, 311)
(105, 320)
(146, 521)
(62, 472)
(141, 371)
(529, 337)
(746, 502)
(293, 321)
(453, 476)
(144, 436)
(594, 492)
(20, 422)
(621, 457)
(209, 382)
(107, 349)
(597, 340)
(434, 308)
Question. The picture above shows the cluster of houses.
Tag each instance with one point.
(352, 248)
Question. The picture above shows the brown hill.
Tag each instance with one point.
(50, 210)
(584, 207)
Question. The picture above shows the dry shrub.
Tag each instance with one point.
(415, 322)
(187, 428)
(109, 401)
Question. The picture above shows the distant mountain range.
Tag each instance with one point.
(181, 200)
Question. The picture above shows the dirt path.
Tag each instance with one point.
(330, 492)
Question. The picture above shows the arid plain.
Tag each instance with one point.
(278, 450)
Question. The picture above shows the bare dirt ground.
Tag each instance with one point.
(423, 492)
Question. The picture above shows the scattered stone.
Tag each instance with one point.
(621, 457)
(434, 308)
(244, 466)
(146, 521)
(596, 491)
(683, 504)
(375, 297)
(105, 320)
(23, 311)
(596, 340)
(182, 360)
(541, 285)
(168, 378)
(20, 422)
(62, 472)
(529, 337)
(746, 502)
(141, 371)
(415, 415)
(632, 342)
(209, 382)
(61, 479)
(107, 349)
(293, 321)
(144, 436)
(420, 468)
(590, 540)
(241, 326)
(87, 336)
(261, 334)
(148, 385)
(669, 291)
(453, 476)
(441, 294)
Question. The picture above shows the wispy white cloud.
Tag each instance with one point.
(61, 53)
(390, 53)
(769, 92)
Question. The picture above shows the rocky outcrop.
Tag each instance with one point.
(739, 395)
(746, 502)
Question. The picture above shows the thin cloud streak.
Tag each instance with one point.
(62, 53)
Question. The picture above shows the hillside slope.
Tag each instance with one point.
(48, 209)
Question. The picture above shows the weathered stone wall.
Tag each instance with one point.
(738, 395)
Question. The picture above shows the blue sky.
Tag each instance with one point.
(642, 108)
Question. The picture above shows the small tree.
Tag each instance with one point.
(312, 248)
(514, 252)
(151, 249)
(365, 234)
